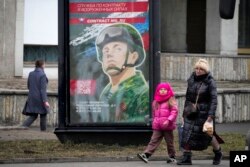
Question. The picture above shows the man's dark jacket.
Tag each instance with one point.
(37, 85)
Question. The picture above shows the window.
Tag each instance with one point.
(34, 52)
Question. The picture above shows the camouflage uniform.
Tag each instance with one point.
(130, 103)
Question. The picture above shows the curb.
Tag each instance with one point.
(13, 128)
(95, 159)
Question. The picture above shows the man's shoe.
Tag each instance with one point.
(23, 127)
(143, 157)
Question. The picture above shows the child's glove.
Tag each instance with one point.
(166, 123)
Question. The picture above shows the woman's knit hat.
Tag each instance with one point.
(162, 98)
(203, 64)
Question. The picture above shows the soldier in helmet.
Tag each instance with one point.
(120, 50)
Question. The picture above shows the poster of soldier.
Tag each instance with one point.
(109, 62)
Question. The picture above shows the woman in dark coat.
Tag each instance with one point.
(37, 102)
(193, 138)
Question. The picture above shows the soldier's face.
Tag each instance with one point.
(114, 57)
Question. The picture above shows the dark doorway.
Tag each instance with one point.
(244, 27)
(196, 26)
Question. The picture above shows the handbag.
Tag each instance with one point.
(191, 110)
(208, 128)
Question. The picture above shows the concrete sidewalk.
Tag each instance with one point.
(238, 127)
(19, 133)
(13, 133)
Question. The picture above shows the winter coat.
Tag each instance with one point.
(193, 136)
(162, 113)
(37, 85)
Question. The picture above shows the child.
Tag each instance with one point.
(164, 115)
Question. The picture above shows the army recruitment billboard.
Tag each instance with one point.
(108, 61)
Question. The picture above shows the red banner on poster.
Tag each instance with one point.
(82, 87)
(108, 7)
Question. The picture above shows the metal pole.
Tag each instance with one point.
(156, 39)
(62, 42)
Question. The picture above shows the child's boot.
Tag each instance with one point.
(171, 159)
(144, 157)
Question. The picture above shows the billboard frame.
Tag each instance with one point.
(108, 134)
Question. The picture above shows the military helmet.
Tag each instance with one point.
(122, 33)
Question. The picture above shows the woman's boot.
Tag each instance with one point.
(186, 160)
(217, 156)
